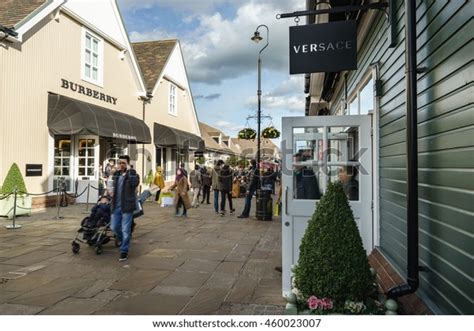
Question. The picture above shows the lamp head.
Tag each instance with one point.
(256, 37)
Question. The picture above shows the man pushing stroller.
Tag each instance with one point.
(124, 203)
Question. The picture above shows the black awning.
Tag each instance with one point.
(168, 137)
(70, 116)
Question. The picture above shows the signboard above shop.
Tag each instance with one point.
(326, 47)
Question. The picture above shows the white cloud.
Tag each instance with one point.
(227, 126)
(154, 34)
(288, 96)
(220, 48)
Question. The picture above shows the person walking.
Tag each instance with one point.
(252, 188)
(124, 200)
(159, 181)
(206, 185)
(216, 185)
(225, 179)
(181, 197)
(196, 182)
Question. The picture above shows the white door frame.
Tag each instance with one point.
(296, 213)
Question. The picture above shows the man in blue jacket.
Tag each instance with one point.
(124, 202)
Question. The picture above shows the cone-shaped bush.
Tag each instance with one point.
(332, 261)
(13, 178)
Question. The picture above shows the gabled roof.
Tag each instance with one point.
(13, 12)
(152, 57)
(248, 148)
(207, 132)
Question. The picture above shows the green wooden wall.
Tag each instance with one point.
(445, 146)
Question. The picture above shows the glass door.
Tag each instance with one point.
(87, 167)
(63, 160)
(319, 150)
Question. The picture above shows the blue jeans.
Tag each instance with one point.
(121, 225)
(216, 201)
(248, 203)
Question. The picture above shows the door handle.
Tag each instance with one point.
(286, 200)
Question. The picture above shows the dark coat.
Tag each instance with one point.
(225, 179)
(307, 185)
(206, 178)
(253, 180)
(129, 193)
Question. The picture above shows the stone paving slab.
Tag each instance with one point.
(146, 304)
(203, 264)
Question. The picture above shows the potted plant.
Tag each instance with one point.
(247, 133)
(333, 275)
(270, 133)
(14, 179)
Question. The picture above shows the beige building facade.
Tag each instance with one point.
(73, 97)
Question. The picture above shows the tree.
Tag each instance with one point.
(13, 179)
(332, 261)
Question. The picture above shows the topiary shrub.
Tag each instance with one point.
(333, 264)
(13, 179)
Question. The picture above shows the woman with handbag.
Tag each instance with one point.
(181, 197)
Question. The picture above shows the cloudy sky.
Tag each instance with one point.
(221, 59)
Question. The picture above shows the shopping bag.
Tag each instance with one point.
(277, 209)
(167, 199)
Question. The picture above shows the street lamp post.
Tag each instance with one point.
(257, 38)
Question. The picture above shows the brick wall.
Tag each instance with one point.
(387, 277)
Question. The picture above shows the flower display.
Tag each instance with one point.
(270, 133)
(354, 307)
(247, 133)
(314, 303)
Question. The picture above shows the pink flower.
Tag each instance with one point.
(316, 303)
(327, 304)
(313, 302)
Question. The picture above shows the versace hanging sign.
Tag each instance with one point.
(326, 47)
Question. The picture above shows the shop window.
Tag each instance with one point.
(92, 58)
(172, 109)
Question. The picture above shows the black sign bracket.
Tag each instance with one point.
(389, 8)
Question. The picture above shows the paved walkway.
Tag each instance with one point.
(204, 264)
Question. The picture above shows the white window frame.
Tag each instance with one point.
(173, 99)
(100, 58)
(355, 94)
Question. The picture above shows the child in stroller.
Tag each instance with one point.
(96, 227)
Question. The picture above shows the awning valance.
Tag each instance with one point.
(170, 137)
(71, 117)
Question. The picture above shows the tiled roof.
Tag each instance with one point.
(152, 57)
(14, 11)
(206, 133)
(249, 147)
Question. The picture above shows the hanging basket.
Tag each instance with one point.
(270, 133)
(247, 133)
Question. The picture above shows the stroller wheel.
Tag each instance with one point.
(99, 250)
(75, 247)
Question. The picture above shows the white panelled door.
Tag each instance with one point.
(318, 150)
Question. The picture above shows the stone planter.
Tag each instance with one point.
(23, 206)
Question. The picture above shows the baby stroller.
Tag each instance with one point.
(95, 228)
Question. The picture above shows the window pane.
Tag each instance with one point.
(88, 41)
(87, 71)
(88, 56)
(348, 175)
(307, 159)
(90, 171)
(95, 60)
(343, 144)
(82, 172)
(94, 73)
(367, 98)
(95, 45)
(353, 107)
